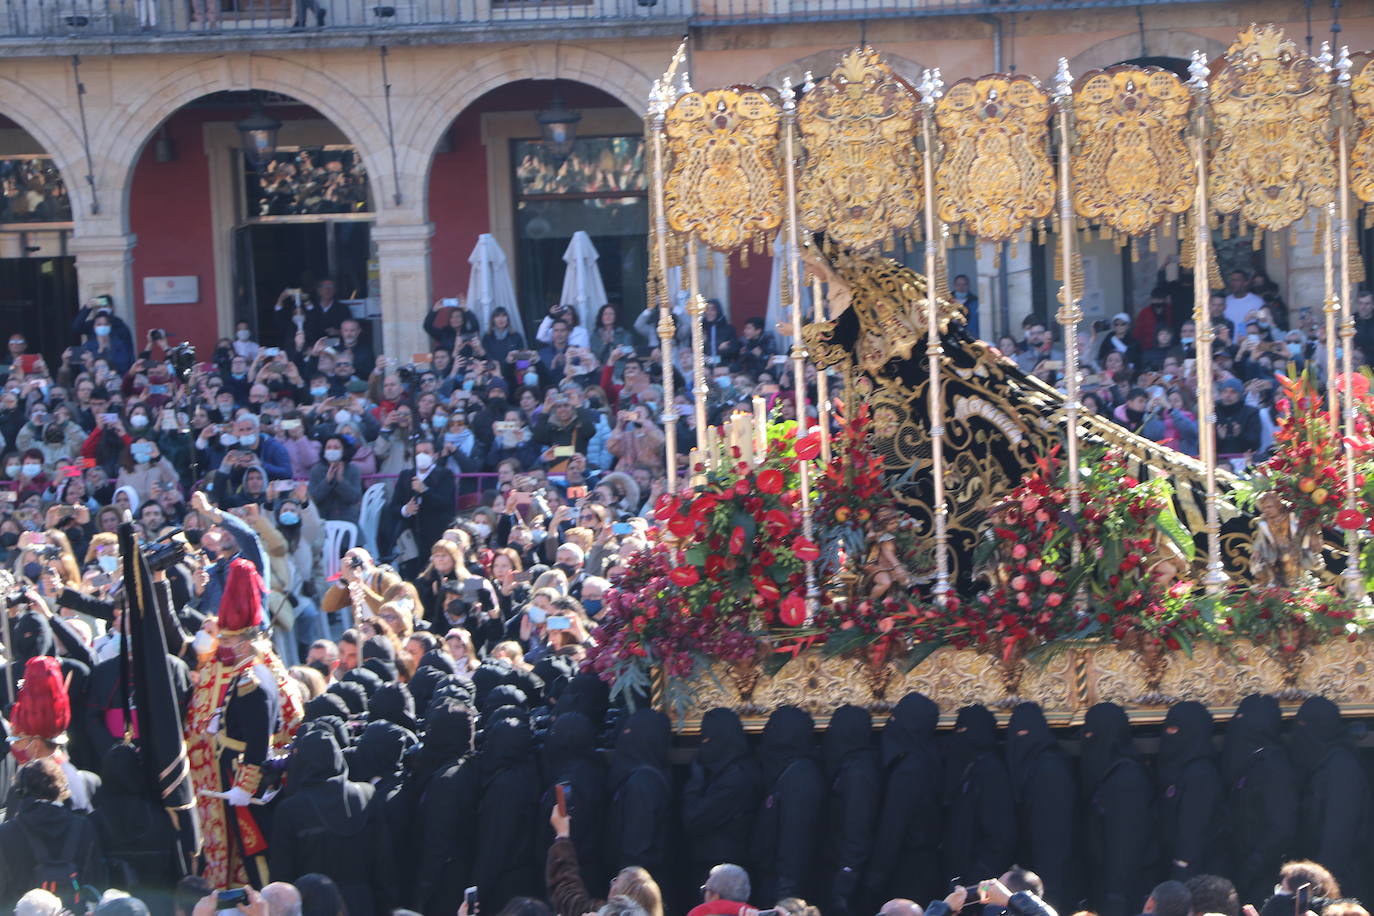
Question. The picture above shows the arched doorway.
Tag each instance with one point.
(38, 290)
(219, 239)
(490, 173)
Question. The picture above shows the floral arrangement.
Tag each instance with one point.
(1288, 620)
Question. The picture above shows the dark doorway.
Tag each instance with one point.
(38, 297)
(277, 256)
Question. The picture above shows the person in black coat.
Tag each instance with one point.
(571, 758)
(43, 830)
(856, 788)
(448, 813)
(787, 830)
(905, 861)
(1262, 795)
(329, 825)
(1046, 802)
(1118, 835)
(641, 792)
(508, 816)
(135, 831)
(722, 794)
(422, 504)
(1333, 818)
(980, 812)
(1192, 823)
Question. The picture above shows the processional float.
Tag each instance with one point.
(850, 165)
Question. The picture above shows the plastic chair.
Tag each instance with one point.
(370, 515)
(339, 538)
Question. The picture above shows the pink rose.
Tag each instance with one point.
(1034, 564)
(1054, 600)
(1019, 551)
(1048, 577)
(1019, 583)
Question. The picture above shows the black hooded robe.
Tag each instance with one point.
(1262, 795)
(330, 826)
(135, 831)
(447, 813)
(1192, 822)
(571, 757)
(856, 787)
(787, 830)
(1333, 825)
(980, 811)
(905, 861)
(1046, 803)
(721, 798)
(508, 816)
(1118, 835)
(641, 792)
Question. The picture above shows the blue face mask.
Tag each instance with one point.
(438, 421)
(289, 518)
(102, 330)
(468, 383)
(532, 379)
(593, 606)
(453, 438)
(319, 392)
(1295, 349)
(157, 389)
(108, 563)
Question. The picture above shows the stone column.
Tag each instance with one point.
(403, 263)
(1019, 298)
(104, 266)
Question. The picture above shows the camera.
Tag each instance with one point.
(183, 359)
(166, 552)
(355, 562)
(46, 552)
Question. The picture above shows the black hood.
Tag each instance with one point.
(588, 694)
(1317, 731)
(722, 740)
(449, 729)
(393, 703)
(121, 773)
(1187, 737)
(354, 695)
(334, 726)
(507, 744)
(1255, 726)
(1024, 749)
(316, 758)
(571, 739)
(910, 728)
(422, 684)
(386, 671)
(366, 677)
(440, 661)
(975, 734)
(317, 773)
(788, 736)
(644, 741)
(504, 695)
(849, 736)
(1106, 738)
(32, 638)
(379, 751)
(326, 704)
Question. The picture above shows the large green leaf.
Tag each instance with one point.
(844, 641)
(1167, 520)
(917, 654)
(775, 662)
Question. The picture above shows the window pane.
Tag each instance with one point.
(33, 191)
(321, 179)
(596, 165)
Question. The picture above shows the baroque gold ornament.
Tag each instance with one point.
(995, 176)
(725, 186)
(1132, 169)
(1362, 151)
(860, 182)
(1270, 105)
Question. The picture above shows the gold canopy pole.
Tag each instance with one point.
(1215, 577)
(822, 382)
(931, 89)
(660, 98)
(1354, 583)
(789, 140)
(1331, 306)
(1070, 312)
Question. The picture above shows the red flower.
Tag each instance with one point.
(737, 539)
(766, 589)
(806, 551)
(682, 525)
(792, 612)
(1350, 519)
(684, 576)
(809, 446)
(770, 481)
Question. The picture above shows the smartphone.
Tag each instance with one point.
(451, 302)
(332, 341)
(522, 364)
(522, 577)
(109, 418)
(38, 539)
(158, 334)
(9, 496)
(778, 360)
(290, 423)
(471, 587)
(561, 791)
(684, 410)
(576, 492)
(71, 472)
(620, 529)
(470, 899)
(271, 351)
(284, 486)
(564, 451)
(536, 615)
(1300, 899)
(101, 580)
(559, 623)
(231, 900)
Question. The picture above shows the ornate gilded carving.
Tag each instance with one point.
(725, 185)
(1132, 169)
(1272, 156)
(994, 175)
(860, 181)
(1362, 150)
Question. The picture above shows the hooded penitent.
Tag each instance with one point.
(977, 839)
(851, 769)
(787, 831)
(1191, 799)
(1335, 812)
(379, 752)
(393, 703)
(1046, 801)
(722, 794)
(508, 815)
(570, 757)
(641, 796)
(905, 860)
(1262, 795)
(1119, 841)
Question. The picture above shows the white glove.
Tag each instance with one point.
(238, 797)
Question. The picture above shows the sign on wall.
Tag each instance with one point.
(171, 290)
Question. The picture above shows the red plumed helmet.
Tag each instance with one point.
(240, 607)
(42, 709)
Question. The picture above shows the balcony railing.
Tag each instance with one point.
(480, 19)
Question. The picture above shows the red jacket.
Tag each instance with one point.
(718, 908)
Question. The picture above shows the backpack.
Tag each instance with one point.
(58, 876)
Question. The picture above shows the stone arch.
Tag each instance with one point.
(60, 138)
(124, 134)
(457, 88)
(822, 63)
(1150, 43)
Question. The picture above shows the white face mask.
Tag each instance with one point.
(249, 441)
(333, 454)
(244, 334)
(482, 529)
(138, 421)
(424, 460)
(31, 470)
(341, 417)
(228, 440)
